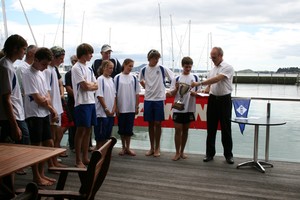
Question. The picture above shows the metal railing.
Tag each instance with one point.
(268, 115)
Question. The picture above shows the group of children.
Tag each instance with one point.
(36, 108)
(152, 78)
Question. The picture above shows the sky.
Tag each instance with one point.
(257, 35)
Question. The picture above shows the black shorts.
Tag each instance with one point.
(39, 129)
(183, 118)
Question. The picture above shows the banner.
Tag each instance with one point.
(200, 114)
(241, 108)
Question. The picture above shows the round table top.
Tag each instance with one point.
(262, 121)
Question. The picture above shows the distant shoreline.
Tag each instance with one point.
(272, 78)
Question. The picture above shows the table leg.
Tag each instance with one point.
(255, 163)
(267, 143)
(7, 187)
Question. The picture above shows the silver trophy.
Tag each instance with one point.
(183, 89)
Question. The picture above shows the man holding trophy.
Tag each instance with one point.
(184, 105)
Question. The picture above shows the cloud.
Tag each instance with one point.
(254, 34)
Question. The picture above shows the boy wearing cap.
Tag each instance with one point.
(53, 79)
(152, 78)
(106, 53)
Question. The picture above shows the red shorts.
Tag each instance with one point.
(65, 122)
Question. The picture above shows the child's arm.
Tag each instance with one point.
(103, 104)
(45, 101)
(16, 131)
(173, 92)
(88, 86)
(137, 102)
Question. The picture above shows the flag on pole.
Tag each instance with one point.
(241, 108)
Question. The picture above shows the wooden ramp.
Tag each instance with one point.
(145, 178)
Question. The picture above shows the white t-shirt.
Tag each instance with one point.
(34, 82)
(188, 100)
(20, 71)
(52, 80)
(224, 86)
(81, 72)
(127, 87)
(9, 85)
(106, 89)
(154, 87)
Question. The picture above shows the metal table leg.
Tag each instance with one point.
(255, 163)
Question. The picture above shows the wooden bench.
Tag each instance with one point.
(31, 192)
(91, 178)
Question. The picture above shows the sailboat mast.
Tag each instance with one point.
(172, 43)
(63, 28)
(189, 45)
(28, 23)
(4, 19)
(82, 27)
(161, 42)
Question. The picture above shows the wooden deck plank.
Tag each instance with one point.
(145, 178)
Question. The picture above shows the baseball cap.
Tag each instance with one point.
(57, 51)
(106, 48)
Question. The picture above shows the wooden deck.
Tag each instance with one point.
(145, 178)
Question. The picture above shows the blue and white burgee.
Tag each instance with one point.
(241, 108)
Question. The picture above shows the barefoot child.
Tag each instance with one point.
(38, 109)
(127, 89)
(182, 118)
(105, 103)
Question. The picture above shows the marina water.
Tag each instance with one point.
(284, 140)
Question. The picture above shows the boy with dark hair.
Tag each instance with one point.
(182, 118)
(38, 109)
(12, 116)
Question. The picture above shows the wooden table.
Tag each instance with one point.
(14, 157)
(266, 121)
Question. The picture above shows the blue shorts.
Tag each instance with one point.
(39, 129)
(85, 115)
(103, 129)
(154, 111)
(25, 132)
(125, 123)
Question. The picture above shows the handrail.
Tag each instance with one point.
(269, 98)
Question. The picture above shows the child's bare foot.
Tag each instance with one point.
(130, 152)
(80, 165)
(156, 153)
(150, 152)
(43, 182)
(122, 152)
(183, 156)
(21, 172)
(49, 179)
(60, 165)
(86, 162)
(176, 157)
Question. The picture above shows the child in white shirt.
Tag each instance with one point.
(128, 89)
(105, 104)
